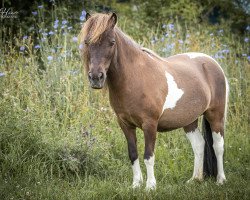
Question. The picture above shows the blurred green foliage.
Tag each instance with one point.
(234, 13)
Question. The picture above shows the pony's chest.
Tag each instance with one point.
(135, 108)
(127, 110)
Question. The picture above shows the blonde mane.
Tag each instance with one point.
(94, 27)
(98, 23)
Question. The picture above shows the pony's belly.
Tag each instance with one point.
(165, 129)
(169, 125)
(171, 119)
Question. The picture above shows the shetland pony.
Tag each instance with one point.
(158, 94)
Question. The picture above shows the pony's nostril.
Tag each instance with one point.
(101, 75)
(96, 76)
(90, 75)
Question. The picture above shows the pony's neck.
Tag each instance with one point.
(124, 61)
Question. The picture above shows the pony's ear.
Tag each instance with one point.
(113, 20)
(87, 16)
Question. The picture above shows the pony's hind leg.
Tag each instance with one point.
(196, 139)
(218, 145)
(216, 121)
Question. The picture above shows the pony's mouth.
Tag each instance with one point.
(96, 85)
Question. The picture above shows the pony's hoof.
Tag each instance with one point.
(198, 179)
(136, 185)
(151, 186)
(190, 180)
(221, 180)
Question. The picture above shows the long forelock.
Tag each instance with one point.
(94, 27)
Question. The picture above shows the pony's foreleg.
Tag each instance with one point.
(130, 134)
(196, 139)
(149, 130)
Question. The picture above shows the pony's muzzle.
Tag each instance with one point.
(96, 80)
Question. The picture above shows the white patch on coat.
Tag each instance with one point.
(192, 55)
(137, 175)
(151, 182)
(174, 93)
(218, 145)
(197, 141)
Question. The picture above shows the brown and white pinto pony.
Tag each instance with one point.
(158, 94)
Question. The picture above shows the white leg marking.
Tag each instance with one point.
(151, 182)
(218, 145)
(137, 175)
(198, 144)
(174, 93)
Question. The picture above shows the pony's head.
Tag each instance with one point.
(97, 38)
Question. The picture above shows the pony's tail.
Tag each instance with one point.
(210, 161)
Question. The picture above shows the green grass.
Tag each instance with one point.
(59, 139)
